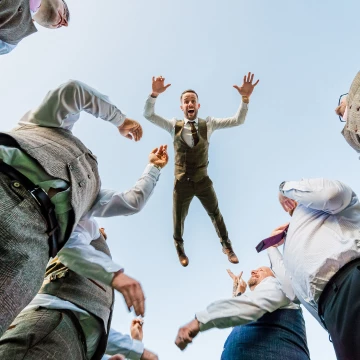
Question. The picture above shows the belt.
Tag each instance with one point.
(333, 285)
(42, 199)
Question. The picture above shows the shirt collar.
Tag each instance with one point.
(187, 120)
(34, 6)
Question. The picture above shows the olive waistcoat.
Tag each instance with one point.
(96, 298)
(191, 162)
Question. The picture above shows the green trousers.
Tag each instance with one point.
(184, 192)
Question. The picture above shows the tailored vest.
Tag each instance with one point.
(97, 299)
(62, 156)
(191, 163)
(15, 21)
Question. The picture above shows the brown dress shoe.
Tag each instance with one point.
(228, 250)
(179, 245)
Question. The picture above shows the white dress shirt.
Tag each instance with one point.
(323, 236)
(211, 122)
(267, 296)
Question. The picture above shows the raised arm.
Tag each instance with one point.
(158, 87)
(277, 266)
(113, 203)
(245, 90)
(267, 297)
(330, 196)
(62, 107)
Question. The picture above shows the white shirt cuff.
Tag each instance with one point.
(118, 119)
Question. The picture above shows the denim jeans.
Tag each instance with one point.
(279, 335)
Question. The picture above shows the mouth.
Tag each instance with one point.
(191, 111)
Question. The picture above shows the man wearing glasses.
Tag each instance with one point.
(348, 110)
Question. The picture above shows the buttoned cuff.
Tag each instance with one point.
(204, 320)
(118, 119)
(136, 350)
(153, 171)
(151, 99)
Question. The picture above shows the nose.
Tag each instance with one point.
(253, 272)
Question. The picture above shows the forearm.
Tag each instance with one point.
(62, 106)
(149, 114)
(111, 203)
(278, 267)
(236, 120)
(89, 262)
(330, 196)
(125, 345)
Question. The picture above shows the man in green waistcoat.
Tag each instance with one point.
(191, 144)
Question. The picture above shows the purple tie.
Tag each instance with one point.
(271, 241)
(34, 5)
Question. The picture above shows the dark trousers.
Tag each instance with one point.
(43, 334)
(279, 335)
(184, 192)
(24, 250)
(340, 306)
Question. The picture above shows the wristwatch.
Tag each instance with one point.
(245, 99)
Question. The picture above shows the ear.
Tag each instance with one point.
(181, 107)
(198, 106)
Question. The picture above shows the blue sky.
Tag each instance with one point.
(305, 54)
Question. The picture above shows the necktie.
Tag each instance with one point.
(271, 241)
(194, 132)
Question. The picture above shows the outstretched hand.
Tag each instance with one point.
(131, 129)
(187, 333)
(158, 86)
(159, 156)
(247, 87)
(239, 285)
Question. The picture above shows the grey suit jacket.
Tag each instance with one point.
(15, 21)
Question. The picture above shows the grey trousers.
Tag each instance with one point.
(42, 334)
(23, 250)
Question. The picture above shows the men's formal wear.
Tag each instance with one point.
(191, 145)
(15, 23)
(271, 326)
(43, 141)
(322, 257)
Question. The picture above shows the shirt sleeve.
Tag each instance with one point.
(112, 203)
(245, 308)
(81, 257)
(278, 267)
(330, 196)
(149, 114)
(236, 120)
(123, 344)
(5, 48)
(62, 107)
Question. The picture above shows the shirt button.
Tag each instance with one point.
(70, 167)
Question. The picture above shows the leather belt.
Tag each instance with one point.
(42, 199)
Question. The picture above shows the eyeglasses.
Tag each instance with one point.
(340, 117)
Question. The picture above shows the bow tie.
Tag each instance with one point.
(271, 241)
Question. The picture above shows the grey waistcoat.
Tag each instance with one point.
(63, 156)
(15, 20)
(191, 163)
(94, 297)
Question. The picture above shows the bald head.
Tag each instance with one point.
(258, 275)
